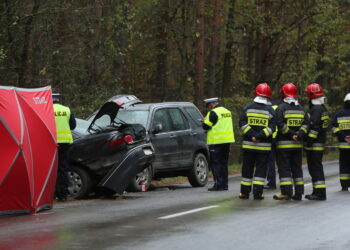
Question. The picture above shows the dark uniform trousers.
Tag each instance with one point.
(344, 167)
(271, 171)
(259, 160)
(290, 171)
(314, 162)
(62, 172)
(219, 154)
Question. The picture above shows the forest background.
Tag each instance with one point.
(175, 50)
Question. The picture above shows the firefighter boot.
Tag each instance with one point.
(315, 197)
(244, 196)
(281, 197)
(297, 197)
(258, 196)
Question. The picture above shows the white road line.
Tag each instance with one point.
(187, 212)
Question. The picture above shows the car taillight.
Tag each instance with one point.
(116, 140)
(128, 139)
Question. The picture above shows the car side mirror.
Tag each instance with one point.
(157, 128)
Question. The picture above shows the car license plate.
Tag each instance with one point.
(147, 151)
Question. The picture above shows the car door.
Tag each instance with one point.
(182, 132)
(163, 140)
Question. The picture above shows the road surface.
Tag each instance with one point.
(181, 217)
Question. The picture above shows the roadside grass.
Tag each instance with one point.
(235, 168)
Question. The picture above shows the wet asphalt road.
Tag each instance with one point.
(141, 221)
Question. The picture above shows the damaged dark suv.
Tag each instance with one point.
(179, 141)
(107, 152)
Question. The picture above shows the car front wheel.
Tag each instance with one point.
(79, 182)
(198, 175)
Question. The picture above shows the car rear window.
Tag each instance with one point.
(133, 116)
(195, 115)
(82, 126)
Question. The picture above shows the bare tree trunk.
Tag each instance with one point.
(199, 64)
(28, 27)
(162, 51)
(215, 44)
(264, 64)
(227, 69)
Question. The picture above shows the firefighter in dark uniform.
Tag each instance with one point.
(341, 128)
(65, 122)
(218, 124)
(258, 123)
(292, 126)
(315, 140)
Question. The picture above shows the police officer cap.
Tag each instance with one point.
(347, 98)
(56, 95)
(211, 100)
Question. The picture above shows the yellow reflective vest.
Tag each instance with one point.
(222, 131)
(62, 116)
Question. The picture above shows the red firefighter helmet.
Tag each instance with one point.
(288, 90)
(263, 89)
(314, 90)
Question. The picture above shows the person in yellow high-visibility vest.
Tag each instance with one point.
(65, 122)
(218, 124)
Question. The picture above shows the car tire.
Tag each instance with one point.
(80, 182)
(198, 175)
(135, 184)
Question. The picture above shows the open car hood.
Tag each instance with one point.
(112, 106)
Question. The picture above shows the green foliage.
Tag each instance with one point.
(92, 50)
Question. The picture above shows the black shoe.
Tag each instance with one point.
(297, 197)
(345, 189)
(244, 196)
(217, 189)
(281, 197)
(314, 197)
(269, 187)
(258, 197)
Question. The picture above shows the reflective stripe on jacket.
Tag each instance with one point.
(318, 126)
(341, 127)
(222, 130)
(291, 120)
(62, 116)
(257, 120)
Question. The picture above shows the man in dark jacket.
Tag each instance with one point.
(341, 128)
(315, 140)
(292, 126)
(258, 122)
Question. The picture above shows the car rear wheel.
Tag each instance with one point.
(135, 184)
(79, 182)
(198, 175)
